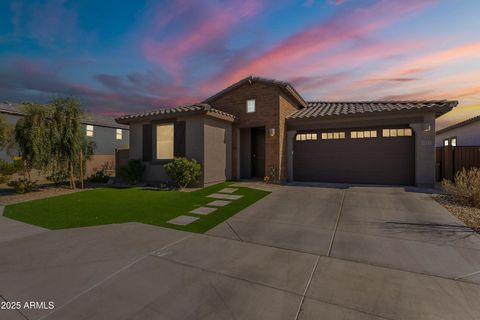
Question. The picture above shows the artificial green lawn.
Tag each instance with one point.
(119, 205)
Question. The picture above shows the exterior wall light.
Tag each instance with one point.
(271, 132)
(427, 127)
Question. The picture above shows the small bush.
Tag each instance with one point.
(466, 188)
(7, 169)
(133, 171)
(23, 185)
(101, 175)
(183, 172)
(58, 177)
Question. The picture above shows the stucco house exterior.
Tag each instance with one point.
(104, 131)
(465, 133)
(258, 127)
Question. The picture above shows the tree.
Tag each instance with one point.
(3, 131)
(68, 143)
(7, 135)
(51, 138)
(32, 135)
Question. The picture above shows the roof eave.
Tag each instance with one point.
(207, 111)
(438, 112)
(296, 95)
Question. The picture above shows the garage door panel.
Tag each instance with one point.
(370, 160)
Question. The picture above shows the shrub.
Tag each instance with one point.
(58, 176)
(183, 172)
(133, 171)
(101, 175)
(7, 169)
(23, 185)
(466, 188)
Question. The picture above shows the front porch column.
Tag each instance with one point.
(425, 151)
(290, 136)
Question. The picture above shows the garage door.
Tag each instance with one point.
(363, 155)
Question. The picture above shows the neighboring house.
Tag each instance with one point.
(259, 127)
(104, 131)
(465, 133)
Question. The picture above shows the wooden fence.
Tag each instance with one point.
(450, 160)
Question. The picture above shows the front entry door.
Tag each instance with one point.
(258, 152)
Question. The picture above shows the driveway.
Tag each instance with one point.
(12, 229)
(385, 227)
(299, 253)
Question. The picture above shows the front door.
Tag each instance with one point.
(258, 152)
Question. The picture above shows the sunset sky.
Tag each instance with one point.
(128, 56)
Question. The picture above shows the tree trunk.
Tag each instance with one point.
(72, 177)
(81, 170)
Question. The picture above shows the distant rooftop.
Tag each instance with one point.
(88, 118)
(459, 124)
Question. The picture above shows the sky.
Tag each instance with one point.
(121, 57)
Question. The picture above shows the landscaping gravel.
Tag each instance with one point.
(469, 215)
(46, 192)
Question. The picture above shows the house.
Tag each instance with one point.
(258, 127)
(104, 131)
(465, 133)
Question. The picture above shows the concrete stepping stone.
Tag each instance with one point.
(203, 210)
(225, 196)
(182, 220)
(228, 190)
(218, 203)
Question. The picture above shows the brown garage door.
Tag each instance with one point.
(365, 155)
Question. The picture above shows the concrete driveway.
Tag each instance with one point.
(300, 253)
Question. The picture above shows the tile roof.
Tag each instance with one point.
(459, 124)
(282, 84)
(324, 109)
(201, 107)
(102, 120)
(11, 108)
(88, 118)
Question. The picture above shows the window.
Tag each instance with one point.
(89, 130)
(333, 135)
(453, 142)
(306, 136)
(363, 134)
(164, 141)
(407, 132)
(118, 134)
(250, 106)
(450, 142)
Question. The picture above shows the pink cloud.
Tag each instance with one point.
(172, 52)
(452, 94)
(348, 26)
(445, 86)
(417, 66)
(349, 60)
